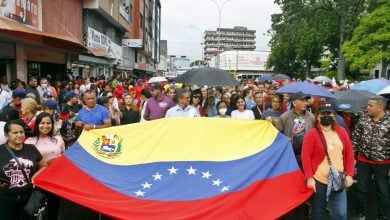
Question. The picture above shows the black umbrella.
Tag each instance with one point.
(352, 100)
(281, 77)
(207, 76)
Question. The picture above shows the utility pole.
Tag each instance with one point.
(220, 9)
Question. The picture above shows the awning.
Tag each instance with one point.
(100, 52)
(62, 41)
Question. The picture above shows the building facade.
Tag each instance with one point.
(82, 38)
(225, 39)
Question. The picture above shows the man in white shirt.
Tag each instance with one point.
(182, 109)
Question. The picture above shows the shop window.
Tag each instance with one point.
(33, 69)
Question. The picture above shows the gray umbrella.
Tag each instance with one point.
(281, 77)
(352, 100)
(207, 76)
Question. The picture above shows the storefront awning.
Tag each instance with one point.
(61, 41)
(100, 52)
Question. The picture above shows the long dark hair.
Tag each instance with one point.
(39, 120)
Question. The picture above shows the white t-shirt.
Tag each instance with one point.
(247, 114)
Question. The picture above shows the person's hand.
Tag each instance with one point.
(348, 181)
(88, 127)
(311, 184)
(79, 124)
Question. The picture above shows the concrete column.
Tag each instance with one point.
(21, 62)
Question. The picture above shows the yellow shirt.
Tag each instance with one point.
(335, 151)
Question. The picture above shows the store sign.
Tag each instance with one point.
(117, 51)
(22, 11)
(134, 43)
(98, 40)
(124, 9)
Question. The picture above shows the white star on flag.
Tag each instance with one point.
(225, 188)
(191, 171)
(146, 185)
(206, 174)
(139, 193)
(157, 176)
(172, 170)
(217, 182)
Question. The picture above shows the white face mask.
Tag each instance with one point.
(44, 85)
(222, 111)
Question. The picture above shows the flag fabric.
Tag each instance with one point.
(181, 168)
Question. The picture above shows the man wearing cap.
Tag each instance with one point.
(371, 140)
(46, 96)
(92, 115)
(296, 122)
(71, 105)
(17, 96)
(158, 105)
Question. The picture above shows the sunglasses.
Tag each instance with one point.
(196, 96)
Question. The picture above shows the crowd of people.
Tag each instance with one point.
(41, 120)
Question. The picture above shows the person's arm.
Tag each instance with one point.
(349, 162)
(41, 166)
(306, 155)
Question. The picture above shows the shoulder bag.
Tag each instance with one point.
(37, 201)
(336, 179)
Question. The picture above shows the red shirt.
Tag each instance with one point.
(313, 152)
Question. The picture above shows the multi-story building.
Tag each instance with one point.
(38, 37)
(78, 37)
(146, 28)
(225, 39)
(163, 64)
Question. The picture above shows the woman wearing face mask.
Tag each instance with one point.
(316, 166)
(222, 108)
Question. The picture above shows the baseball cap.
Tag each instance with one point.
(51, 104)
(70, 94)
(299, 95)
(19, 93)
(47, 94)
(326, 106)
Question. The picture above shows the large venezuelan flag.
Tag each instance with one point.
(181, 168)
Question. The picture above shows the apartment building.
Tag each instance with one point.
(226, 39)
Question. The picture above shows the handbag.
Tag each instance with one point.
(336, 179)
(36, 203)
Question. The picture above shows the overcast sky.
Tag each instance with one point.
(177, 17)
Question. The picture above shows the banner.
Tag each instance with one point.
(181, 168)
(22, 11)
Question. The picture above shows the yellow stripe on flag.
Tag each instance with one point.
(196, 139)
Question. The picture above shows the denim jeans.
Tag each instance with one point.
(381, 176)
(337, 203)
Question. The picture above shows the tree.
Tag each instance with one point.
(370, 43)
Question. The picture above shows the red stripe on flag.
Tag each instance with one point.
(267, 199)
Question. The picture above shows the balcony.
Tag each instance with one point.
(109, 11)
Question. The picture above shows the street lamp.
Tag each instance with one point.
(220, 9)
(201, 41)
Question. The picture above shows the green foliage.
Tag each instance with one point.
(371, 39)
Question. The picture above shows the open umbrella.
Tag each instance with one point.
(385, 92)
(207, 76)
(306, 88)
(157, 79)
(322, 79)
(352, 100)
(373, 85)
(281, 77)
(265, 77)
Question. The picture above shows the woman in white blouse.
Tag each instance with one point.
(239, 111)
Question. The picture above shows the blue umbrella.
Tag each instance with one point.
(265, 77)
(306, 88)
(373, 85)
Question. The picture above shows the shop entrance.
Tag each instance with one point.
(41, 69)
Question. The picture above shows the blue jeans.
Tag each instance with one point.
(337, 203)
(381, 176)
